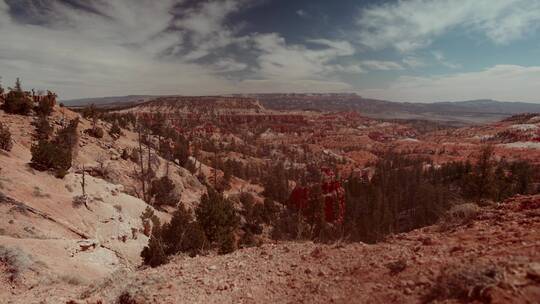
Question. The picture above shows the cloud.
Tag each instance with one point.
(113, 51)
(439, 56)
(292, 85)
(228, 65)
(408, 25)
(381, 65)
(413, 62)
(100, 48)
(280, 60)
(205, 25)
(501, 82)
(302, 13)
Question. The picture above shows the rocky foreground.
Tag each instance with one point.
(494, 258)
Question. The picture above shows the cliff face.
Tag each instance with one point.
(200, 104)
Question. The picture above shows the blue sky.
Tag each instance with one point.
(408, 50)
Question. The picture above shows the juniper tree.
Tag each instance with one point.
(17, 101)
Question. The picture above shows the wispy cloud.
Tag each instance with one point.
(302, 13)
(381, 65)
(155, 47)
(414, 62)
(279, 60)
(441, 59)
(407, 25)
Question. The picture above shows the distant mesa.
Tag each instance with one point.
(457, 113)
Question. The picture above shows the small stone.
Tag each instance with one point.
(213, 267)
(533, 272)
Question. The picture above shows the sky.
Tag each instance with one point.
(399, 50)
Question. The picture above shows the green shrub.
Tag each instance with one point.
(50, 156)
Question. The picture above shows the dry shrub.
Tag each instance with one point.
(16, 261)
(397, 266)
(71, 279)
(467, 282)
(39, 193)
(127, 298)
(96, 132)
(80, 200)
(459, 215)
(5, 138)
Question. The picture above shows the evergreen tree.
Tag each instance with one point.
(162, 191)
(480, 184)
(154, 254)
(43, 128)
(217, 216)
(17, 101)
(183, 234)
(56, 155)
(47, 155)
(46, 104)
(276, 183)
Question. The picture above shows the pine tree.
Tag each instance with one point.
(217, 216)
(43, 128)
(18, 85)
(154, 254)
(56, 155)
(46, 104)
(17, 101)
(162, 191)
(183, 234)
